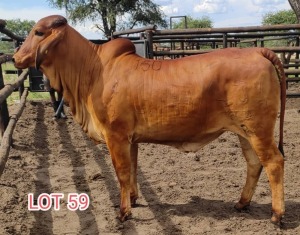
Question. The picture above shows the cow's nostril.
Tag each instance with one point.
(13, 60)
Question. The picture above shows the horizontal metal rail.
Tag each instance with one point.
(268, 39)
(292, 71)
(227, 30)
(194, 40)
(132, 31)
(229, 35)
(202, 51)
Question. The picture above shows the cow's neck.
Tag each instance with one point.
(76, 73)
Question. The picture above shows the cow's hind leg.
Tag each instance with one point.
(273, 163)
(254, 169)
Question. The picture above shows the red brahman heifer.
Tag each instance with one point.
(124, 99)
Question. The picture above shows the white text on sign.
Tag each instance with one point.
(45, 201)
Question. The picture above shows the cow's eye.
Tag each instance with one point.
(39, 33)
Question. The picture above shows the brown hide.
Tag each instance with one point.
(124, 99)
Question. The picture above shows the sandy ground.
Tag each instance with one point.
(179, 193)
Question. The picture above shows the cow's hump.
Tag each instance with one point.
(118, 47)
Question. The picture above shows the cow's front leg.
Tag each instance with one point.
(133, 176)
(120, 151)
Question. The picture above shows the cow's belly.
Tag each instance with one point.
(182, 144)
(188, 136)
(196, 144)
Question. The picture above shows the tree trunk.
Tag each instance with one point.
(295, 4)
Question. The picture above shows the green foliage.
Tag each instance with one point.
(278, 43)
(280, 17)
(113, 15)
(18, 27)
(144, 14)
(6, 47)
(14, 97)
(204, 22)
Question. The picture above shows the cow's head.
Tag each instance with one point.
(41, 40)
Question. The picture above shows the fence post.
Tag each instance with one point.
(224, 40)
(149, 35)
(297, 55)
(21, 87)
(4, 116)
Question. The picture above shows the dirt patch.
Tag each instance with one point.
(179, 193)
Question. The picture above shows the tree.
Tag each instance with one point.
(280, 17)
(204, 22)
(113, 14)
(18, 27)
(295, 4)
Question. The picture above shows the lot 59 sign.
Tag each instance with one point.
(46, 201)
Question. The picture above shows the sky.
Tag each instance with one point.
(223, 13)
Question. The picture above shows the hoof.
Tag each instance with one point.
(124, 217)
(60, 115)
(241, 207)
(133, 202)
(277, 220)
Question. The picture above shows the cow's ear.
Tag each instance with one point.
(46, 45)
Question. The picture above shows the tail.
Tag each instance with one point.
(270, 55)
